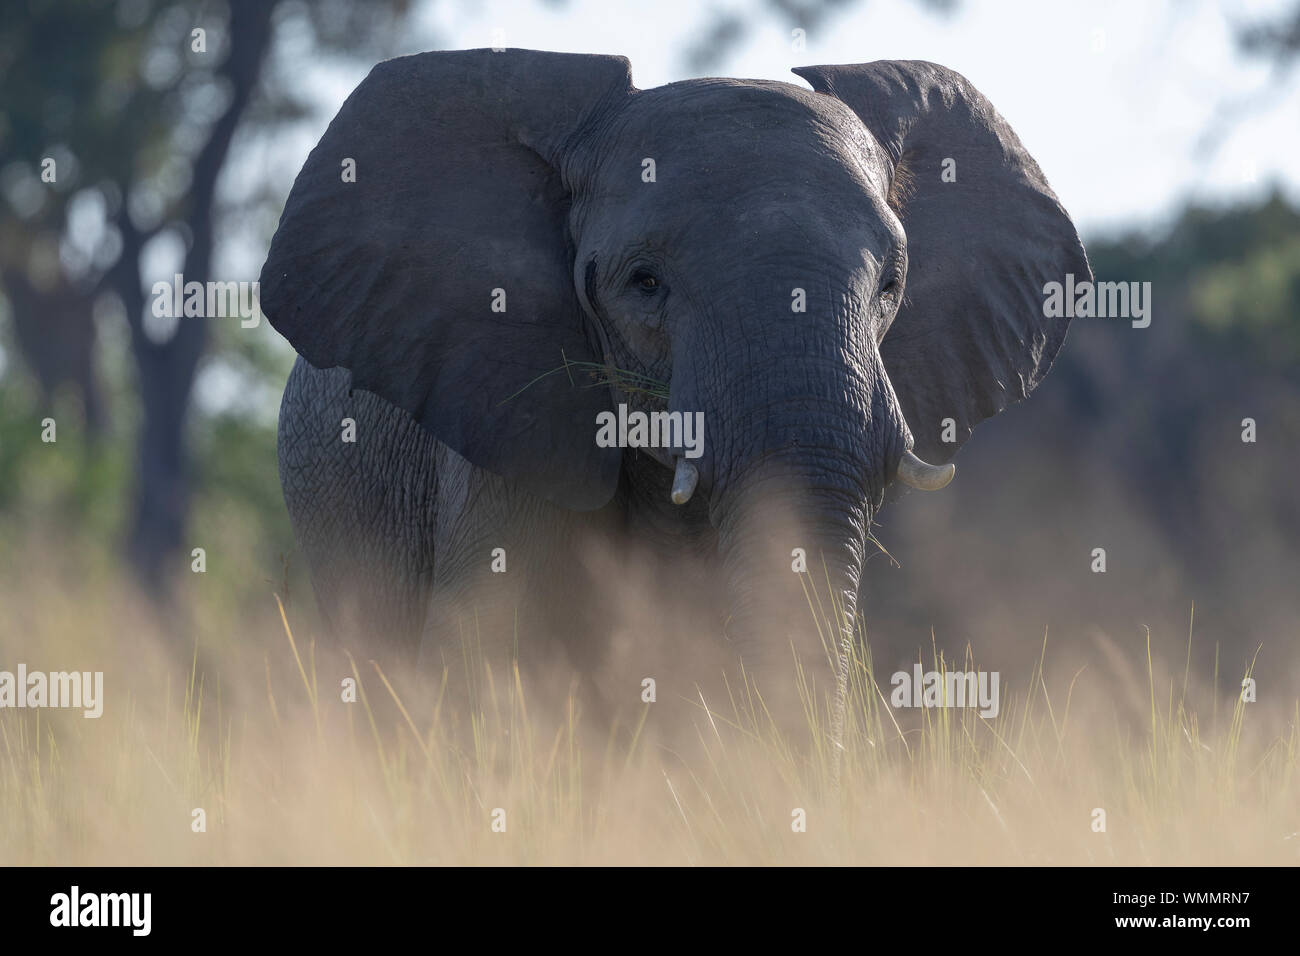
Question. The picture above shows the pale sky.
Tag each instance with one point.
(1111, 98)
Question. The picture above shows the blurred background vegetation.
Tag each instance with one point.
(169, 159)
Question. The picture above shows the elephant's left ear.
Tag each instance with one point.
(425, 247)
(985, 233)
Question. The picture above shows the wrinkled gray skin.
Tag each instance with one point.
(522, 171)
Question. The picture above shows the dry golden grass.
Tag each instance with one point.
(253, 729)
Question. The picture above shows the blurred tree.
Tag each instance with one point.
(116, 124)
(728, 30)
(1276, 39)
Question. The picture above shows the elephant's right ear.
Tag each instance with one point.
(972, 335)
(425, 247)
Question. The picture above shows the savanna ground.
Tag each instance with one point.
(234, 709)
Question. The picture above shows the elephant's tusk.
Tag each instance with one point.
(919, 474)
(684, 479)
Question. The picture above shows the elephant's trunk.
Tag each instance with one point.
(793, 552)
(793, 500)
(803, 433)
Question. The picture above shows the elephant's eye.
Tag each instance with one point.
(645, 281)
(889, 289)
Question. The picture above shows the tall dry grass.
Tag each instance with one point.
(239, 711)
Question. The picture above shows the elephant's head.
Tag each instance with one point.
(844, 281)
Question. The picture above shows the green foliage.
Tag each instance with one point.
(1254, 299)
(68, 484)
(1232, 273)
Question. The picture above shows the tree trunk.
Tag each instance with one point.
(167, 369)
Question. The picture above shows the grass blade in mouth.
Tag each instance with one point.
(601, 373)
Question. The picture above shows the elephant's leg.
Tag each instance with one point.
(360, 484)
(513, 576)
(486, 533)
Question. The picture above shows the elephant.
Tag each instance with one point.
(488, 251)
